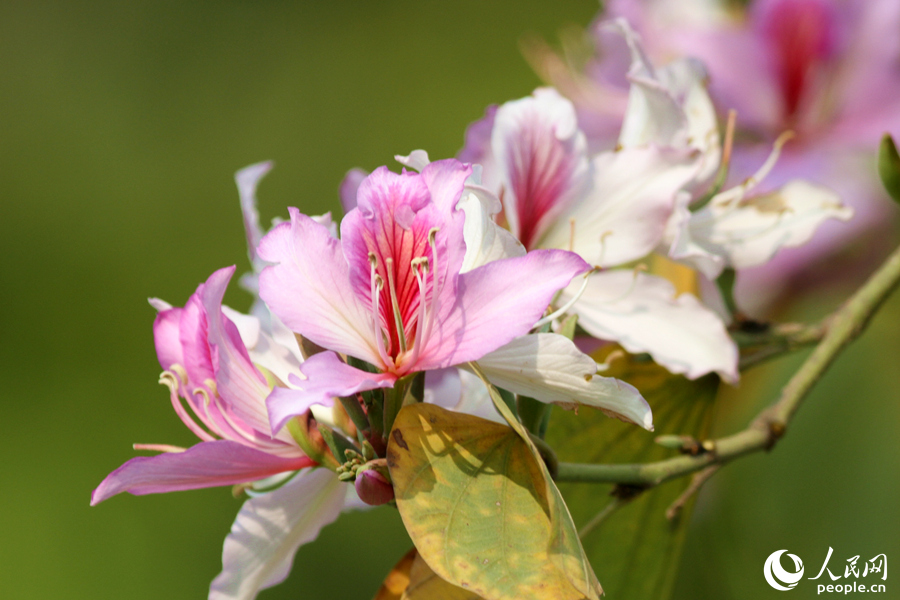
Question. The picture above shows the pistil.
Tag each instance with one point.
(398, 319)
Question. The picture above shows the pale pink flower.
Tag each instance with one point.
(397, 292)
(219, 375)
(611, 208)
(829, 70)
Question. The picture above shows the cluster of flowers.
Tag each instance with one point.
(468, 260)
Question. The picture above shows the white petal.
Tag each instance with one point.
(264, 350)
(247, 180)
(747, 232)
(485, 240)
(260, 549)
(685, 249)
(541, 161)
(670, 106)
(460, 391)
(641, 313)
(624, 215)
(417, 160)
(550, 368)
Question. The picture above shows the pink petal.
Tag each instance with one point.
(309, 288)
(496, 303)
(238, 382)
(192, 333)
(206, 464)
(166, 337)
(349, 188)
(445, 180)
(327, 377)
(393, 225)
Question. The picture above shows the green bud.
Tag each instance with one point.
(347, 476)
(368, 450)
(889, 166)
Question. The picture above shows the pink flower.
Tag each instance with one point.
(208, 365)
(825, 69)
(391, 291)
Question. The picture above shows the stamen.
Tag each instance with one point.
(377, 286)
(180, 372)
(221, 408)
(549, 318)
(634, 275)
(420, 269)
(392, 289)
(158, 447)
(613, 356)
(738, 192)
(572, 234)
(435, 273)
(170, 380)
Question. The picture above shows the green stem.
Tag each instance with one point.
(356, 413)
(845, 325)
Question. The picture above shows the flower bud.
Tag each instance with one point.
(373, 488)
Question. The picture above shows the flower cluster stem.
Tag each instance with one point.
(841, 328)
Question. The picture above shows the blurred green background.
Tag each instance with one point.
(122, 125)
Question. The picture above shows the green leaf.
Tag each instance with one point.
(889, 166)
(481, 509)
(636, 550)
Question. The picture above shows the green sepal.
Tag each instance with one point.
(336, 442)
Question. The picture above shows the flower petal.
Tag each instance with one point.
(327, 377)
(624, 215)
(460, 391)
(477, 149)
(641, 313)
(417, 160)
(259, 551)
(264, 349)
(238, 382)
(496, 303)
(247, 180)
(550, 368)
(747, 232)
(166, 337)
(309, 288)
(207, 464)
(349, 188)
(541, 159)
(485, 240)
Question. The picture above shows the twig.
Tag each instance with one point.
(601, 516)
(770, 425)
(771, 342)
(696, 483)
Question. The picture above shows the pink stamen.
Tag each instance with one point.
(377, 284)
(170, 380)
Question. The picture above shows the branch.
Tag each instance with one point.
(772, 341)
(770, 425)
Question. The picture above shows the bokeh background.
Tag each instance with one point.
(121, 125)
